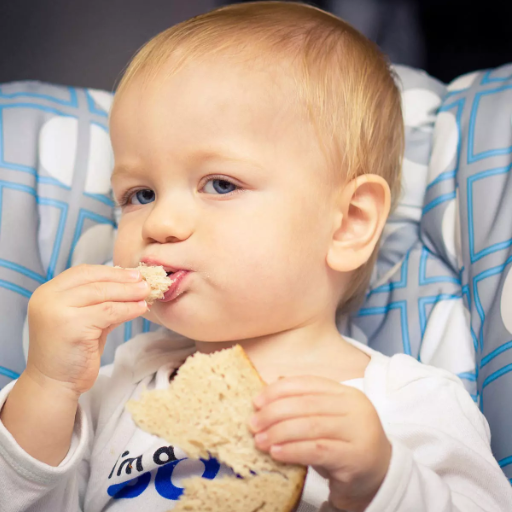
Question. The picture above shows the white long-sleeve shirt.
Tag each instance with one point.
(441, 459)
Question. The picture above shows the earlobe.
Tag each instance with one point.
(365, 203)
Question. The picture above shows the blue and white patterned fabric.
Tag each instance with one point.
(56, 208)
(441, 279)
(449, 301)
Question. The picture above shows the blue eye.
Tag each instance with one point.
(143, 196)
(221, 186)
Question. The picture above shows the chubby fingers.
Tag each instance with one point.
(109, 314)
(303, 429)
(296, 407)
(298, 386)
(86, 274)
(328, 454)
(100, 292)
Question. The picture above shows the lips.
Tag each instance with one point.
(176, 286)
(168, 268)
(176, 274)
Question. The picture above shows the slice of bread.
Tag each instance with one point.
(206, 411)
(157, 279)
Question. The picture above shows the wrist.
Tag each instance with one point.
(32, 378)
(40, 415)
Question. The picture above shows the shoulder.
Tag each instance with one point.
(403, 370)
(406, 390)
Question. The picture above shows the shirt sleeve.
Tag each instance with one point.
(29, 485)
(441, 457)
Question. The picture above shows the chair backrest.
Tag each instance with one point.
(449, 301)
(433, 292)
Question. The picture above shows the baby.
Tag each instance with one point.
(257, 156)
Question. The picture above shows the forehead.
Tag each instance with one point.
(214, 88)
(217, 104)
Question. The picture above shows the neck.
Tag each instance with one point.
(316, 347)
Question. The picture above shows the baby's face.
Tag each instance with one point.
(223, 178)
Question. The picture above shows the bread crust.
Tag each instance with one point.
(294, 502)
(205, 377)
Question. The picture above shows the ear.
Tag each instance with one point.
(363, 211)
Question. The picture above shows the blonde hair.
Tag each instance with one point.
(342, 79)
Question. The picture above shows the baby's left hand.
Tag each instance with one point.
(334, 428)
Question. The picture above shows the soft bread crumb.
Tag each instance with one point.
(266, 492)
(158, 281)
(205, 411)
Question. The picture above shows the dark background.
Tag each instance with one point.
(89, 42)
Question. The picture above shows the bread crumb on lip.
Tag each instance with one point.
(157, 278)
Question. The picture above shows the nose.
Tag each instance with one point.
(169, 220)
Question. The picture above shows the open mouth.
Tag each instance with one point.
(175, 288)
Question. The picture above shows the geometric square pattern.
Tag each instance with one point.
(442, 287)
(45, 147)
(481, 187)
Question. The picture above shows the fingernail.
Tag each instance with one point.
(276, 449)
(258, 401)
(143, 303)
(254, 423)
(142, 284)
(261, 438)
(134, 274)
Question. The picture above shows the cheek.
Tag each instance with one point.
(267, 253)
(125, 245)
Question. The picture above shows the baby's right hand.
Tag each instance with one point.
(69, 318)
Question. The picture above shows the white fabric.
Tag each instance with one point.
(441, 459)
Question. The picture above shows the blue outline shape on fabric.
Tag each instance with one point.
(101, 197)
(437, 201)
(465, 293)
(494, 247)
(471, 158)
(60, 232)
(25, 168)
(422, 275)
(105, 128)
(92, 105)
(23, 270)
(446, 175)
(394, 285)
(491, 378)
(15, 288)
(10, 374)
(402, 307)
(459, 104)
(72, 102)
(104, 198)
(496, 352)
(486, 79)
(127, 330)
(458, 91)
(467, 376)
(45, 201)
(480, 277)
(432, 299)
(47, 180)
(82, 215)
(505, 461)
(146, 325)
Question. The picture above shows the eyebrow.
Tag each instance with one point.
(200, 155)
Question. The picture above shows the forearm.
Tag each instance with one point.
(411, 485)
(40, 417)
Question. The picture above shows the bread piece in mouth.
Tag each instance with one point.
(205, 411)
(157, 279)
